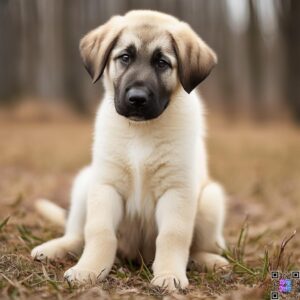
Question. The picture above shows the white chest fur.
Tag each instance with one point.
(139, 153)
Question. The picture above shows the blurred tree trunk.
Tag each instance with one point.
(225, 41)
(9, 50)
(29, 47)
(256, 66)
(289, 20)
(73, 87)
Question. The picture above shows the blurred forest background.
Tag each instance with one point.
(258, 44)
(47, 102)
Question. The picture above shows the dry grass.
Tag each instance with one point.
(259, 166)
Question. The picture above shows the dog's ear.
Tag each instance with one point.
(195, 58)
(95, 47)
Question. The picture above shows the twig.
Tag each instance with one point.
(282, 247)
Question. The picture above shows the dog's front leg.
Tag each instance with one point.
(175, 215)
(104, 212)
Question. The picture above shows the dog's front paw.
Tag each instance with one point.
(81, 276)
(170, 282)
(57, 248)
(209, 261)
(47, 251)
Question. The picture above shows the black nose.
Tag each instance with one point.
(137, 96)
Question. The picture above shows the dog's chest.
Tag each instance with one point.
(140, 155)
(137, 231)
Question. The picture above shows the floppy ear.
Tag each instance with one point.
(195, 58)
(95, 47)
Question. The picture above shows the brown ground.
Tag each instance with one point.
(259, 166)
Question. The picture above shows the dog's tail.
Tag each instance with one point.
(51, 212)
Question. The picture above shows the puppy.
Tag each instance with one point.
(147, 192)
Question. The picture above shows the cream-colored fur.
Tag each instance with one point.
(146, 192)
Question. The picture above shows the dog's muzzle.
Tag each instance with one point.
(138, 97)
(139, 102)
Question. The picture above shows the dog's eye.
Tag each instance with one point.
(125, 59)
(162, 64)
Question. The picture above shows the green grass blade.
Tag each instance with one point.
(4, 222)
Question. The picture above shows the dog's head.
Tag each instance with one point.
(145, 57)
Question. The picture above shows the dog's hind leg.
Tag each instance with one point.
(208, 241)
(72, 241)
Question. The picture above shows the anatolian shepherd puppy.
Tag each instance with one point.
(147, 190)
